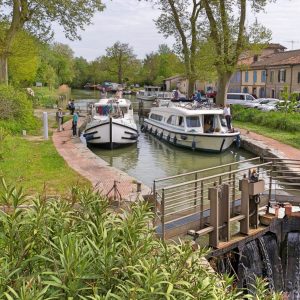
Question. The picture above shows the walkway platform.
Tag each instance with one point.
(93, 168)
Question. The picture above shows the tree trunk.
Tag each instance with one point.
(223, 83)
(3, 69)
(191, 86)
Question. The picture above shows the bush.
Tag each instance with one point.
(289, 122)
(16, 112)
(57, 249)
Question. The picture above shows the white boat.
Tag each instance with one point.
(112, 124)
(149, 93)
(190, 127)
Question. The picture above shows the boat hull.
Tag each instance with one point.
(202, 142)
(110, 134)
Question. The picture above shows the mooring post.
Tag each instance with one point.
(45, 125)
(224, 212)
(214, 217)
(244, 186)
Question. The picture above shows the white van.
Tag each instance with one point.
(239, 98)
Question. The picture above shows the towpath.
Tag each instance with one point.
(259, 143)
(96, 170)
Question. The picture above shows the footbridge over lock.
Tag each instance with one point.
(210, 201)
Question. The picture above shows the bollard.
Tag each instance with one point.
(138, 186)
(45, 125)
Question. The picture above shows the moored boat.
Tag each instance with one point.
(149, 93)
(112, 124)
(187, 126)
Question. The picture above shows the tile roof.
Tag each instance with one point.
(278, 59)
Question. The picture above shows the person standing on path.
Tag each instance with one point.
(59, 119)
(74, 123)
(227, 115)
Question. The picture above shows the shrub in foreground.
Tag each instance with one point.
(57, 249)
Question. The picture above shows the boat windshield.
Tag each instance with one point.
(110, 109)
(193, 121)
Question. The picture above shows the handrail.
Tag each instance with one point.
(214, 176)
(203, 170)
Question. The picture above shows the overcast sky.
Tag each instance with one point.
(131, 21)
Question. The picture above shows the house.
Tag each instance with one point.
(180, 82)
(252, 75)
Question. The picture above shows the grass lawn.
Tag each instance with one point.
(35, 164)
(289, 138)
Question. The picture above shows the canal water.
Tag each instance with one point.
(150, 158)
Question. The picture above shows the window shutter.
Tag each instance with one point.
(284, 75)
(279, 76)
(298, 77)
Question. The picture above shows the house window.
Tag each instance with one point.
(254, 76)
(263, 76)
(298, 77)
(271, 76)
(246, 76)
(255, 58)
(282, 75)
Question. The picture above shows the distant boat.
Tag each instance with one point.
(149, 93)
(112, 124)
(187, 126)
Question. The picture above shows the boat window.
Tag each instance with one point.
(172, 120)
(193, 121)
(223, 121)
(103, 110)
(156, 117)
(209, 123)
(180, 121)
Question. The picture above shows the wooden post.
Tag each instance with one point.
(202, 205)
(214, 217)
(224, 212)
(244, 228)
(196, 186)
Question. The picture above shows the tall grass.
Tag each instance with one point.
(80, 249)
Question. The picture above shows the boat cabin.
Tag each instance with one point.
(206, 122)
(112, 107)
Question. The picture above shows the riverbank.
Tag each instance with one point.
(93, 168)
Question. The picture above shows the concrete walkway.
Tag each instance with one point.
(259, 144)
(93, 168)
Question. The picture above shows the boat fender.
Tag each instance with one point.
(238, 141)
(155, 132)
(175, 140)
(193, 145)
(150, 130)
(168, 138)
(161, 135)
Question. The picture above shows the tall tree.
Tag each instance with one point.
(229, 35)
(180, 19)
(120, 59)
(38, 16)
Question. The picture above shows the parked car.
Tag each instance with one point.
(273, 105)
(239, 98)
(256, 103)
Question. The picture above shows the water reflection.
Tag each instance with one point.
(151, 158)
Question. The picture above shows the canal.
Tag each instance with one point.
(151, 158)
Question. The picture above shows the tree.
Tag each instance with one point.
(81, 72)
(230, 37)
(120, 61)
(180, 18)
(37, 16)
(24, 58)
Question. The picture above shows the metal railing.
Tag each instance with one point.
(179, 203)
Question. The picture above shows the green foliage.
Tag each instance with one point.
(80, 249)
(23, 60)
(16, 111)
(275, 120)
